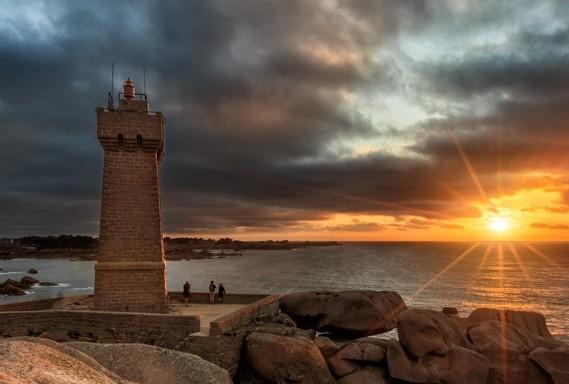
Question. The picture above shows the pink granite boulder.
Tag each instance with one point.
(347, 313)
(283, 359)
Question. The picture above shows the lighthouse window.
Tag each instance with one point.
(139, 140)
(120, 139)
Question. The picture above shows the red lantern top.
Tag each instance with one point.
(128, 89)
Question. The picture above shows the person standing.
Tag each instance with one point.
(187, 287)
(221, 292)
(211, 292)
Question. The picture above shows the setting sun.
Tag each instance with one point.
(499, 224)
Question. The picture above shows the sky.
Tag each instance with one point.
(306, 120)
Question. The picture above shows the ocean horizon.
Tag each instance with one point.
(426, 274)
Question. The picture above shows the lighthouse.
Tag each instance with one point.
(130, 269)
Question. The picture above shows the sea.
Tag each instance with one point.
(519, 276)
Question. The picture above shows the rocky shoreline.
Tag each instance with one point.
(12, 287)
(327, 340)
(85, 247)
(321, 338)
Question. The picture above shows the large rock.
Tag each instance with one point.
(146, 364)
(350, 313)
(507, 347)
(366, 375)
(424, 331)
(357, 354)
(28, 281)
(9, 289)
(47, 362)
(284, 359)
(326, 346)
(553, 361)
(457, 365)
(531, 322)
(434, 348)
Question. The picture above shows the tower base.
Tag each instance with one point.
(131, 287)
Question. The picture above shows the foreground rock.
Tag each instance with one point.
(433, 348)
(531, 322)
(347, 313)
(46, 362)
(361, 361)
(38, 360)
(553, 361)
(284, 359)
(146, 364)
(509, 347)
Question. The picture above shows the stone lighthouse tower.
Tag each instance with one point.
(130, 269)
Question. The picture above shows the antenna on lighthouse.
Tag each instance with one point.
(144, 72)
(112, 91)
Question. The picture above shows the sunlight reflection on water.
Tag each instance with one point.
(474, 282)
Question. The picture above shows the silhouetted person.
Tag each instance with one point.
(221, 292)
(187, 292)
(211, 292)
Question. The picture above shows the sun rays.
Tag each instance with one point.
(504, 253)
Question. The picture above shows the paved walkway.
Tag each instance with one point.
(206, 312)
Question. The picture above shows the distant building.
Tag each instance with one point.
(130, 269)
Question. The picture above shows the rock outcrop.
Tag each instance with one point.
(488, 347)
(146, 364)
(366, 355)
(508, 349)
(39, 360)
(347, 313)
(553, 361)
(286, 359)
(47, 362)
(531, 322)
(17, 288)
(433, 348)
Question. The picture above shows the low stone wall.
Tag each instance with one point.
(167, 331)
(222, 346)
(203, 298)
(32, 305)
(267, 306)
(225, 341)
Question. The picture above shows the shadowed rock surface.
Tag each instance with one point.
(146, 364)
(349, 313)
(423, 331)
(531, 322)
(508, 348)
(28, 360)
(283, 359)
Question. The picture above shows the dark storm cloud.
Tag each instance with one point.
(529, 63)
(254, 93)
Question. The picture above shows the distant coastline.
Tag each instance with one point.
(181, 248)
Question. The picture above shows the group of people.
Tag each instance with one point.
(212, 294)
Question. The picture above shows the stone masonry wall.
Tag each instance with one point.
(130, 271)
(266, 307)
(224, 344)
(203, 298)
(167, 331)
(32, 305)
